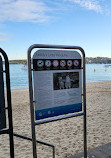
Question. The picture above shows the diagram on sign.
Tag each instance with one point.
(65, 80)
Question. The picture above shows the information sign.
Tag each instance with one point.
(57, 83)
(2, 100)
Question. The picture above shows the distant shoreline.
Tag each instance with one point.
(18, 61)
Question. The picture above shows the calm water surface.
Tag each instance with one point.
(18, 76)
(97, 72)
(94, 72)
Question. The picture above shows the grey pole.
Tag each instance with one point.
(84, 105)
(10, 130)
(85, 117)
(31, 104)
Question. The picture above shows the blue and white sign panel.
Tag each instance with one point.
(2, 100)
(57, 83)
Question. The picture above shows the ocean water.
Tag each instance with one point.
(98, 72)
(94, 72)
(18, 76)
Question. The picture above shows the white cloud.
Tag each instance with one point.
(42, 10)
(23, 10)
(89, 4)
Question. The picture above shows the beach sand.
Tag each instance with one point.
(66, 135)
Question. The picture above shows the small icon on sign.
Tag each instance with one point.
(55, 63)
(40, 63)
(62, 63)
(40, 114)
(49, 112)
(69, 63)
(47, 63)
(76, 62)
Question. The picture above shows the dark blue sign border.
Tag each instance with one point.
(56, 111)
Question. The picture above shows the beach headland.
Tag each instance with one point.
(66, 135)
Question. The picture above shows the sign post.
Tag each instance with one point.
(3, 128)
(2, 100)
(58, 81)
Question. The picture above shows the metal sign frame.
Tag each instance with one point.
(2, 98)
(31, 97)
(9, 105)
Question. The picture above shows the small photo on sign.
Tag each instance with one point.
(65, 80)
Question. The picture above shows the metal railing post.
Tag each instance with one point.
(10, 131)
(31, 105)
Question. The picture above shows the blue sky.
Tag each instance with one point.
(85, 23)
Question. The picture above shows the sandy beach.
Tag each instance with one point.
(66, 135)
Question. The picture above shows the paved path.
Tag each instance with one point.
(103, 151)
